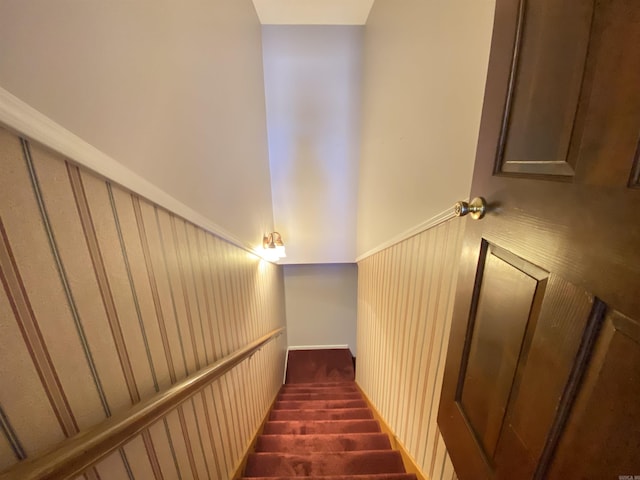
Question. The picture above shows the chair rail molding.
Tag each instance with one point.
(432, 222)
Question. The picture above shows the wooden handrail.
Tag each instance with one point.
(77, 453)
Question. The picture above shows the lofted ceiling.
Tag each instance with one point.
(312, 53)
(313, 12)
(342, 124)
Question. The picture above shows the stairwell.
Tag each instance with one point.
(321, 427)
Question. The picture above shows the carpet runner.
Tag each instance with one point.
(321, 428)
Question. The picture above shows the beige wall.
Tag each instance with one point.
(405, 302)
(106, 299)
(423, 83)
(172, 90)
(321, 302)
(312, 86)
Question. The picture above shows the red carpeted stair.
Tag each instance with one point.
(321, 428)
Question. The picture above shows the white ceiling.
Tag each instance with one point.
(313, 12)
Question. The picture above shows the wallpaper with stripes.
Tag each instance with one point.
(106, 299)
(405, 303)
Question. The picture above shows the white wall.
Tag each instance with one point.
(321, 303)
(312, 85)
(423, 83)
(172, 90)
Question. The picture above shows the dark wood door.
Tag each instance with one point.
(542, 378)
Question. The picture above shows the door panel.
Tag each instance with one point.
(604, 421)
(524, 331)
(496, 340)
(610, 124)
(545, 322)
(634, 181)
(546, 369)
(546, 79)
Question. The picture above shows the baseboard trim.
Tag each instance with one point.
(316, 347)
(410, 464)
(252, 444)
(306, 347)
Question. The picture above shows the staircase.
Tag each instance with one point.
(321, 428)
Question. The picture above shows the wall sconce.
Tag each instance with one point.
(273, 245)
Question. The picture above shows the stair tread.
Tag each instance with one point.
(340, 395)
(325, 365)
(320, 391)
(318, 404)
(327, 435)
(370, 476)
(303, 410)
(315, 388)
(319, 384)
(291, 443)
(340, 463)
(322, 414)
(301, 427)
(320, 396)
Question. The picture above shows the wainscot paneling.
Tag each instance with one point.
(405, 302)
(106, 299)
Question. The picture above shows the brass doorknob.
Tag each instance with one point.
(477, 208)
